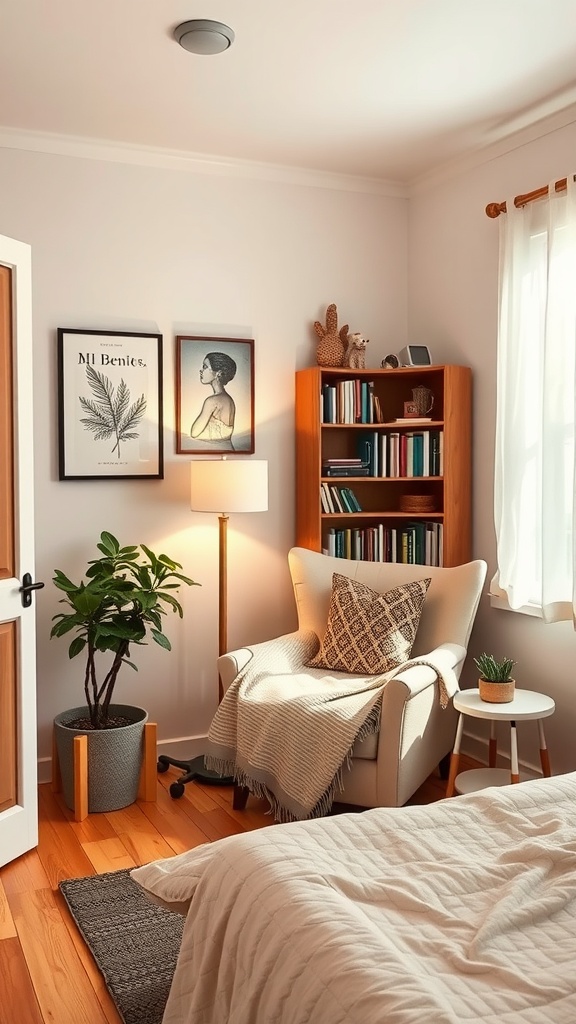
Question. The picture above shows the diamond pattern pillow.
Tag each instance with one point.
(369, 633)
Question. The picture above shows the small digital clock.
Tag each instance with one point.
(415, 355)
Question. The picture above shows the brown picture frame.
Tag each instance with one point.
(214, 395)
(410, 410)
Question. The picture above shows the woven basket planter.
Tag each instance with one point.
(114, 758)
(496, 693)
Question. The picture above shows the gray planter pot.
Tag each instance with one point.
(114, 758)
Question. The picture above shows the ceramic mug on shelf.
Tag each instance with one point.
(423, 399)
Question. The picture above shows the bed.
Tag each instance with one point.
(459, 911)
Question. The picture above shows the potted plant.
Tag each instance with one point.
(126, 593)
(496, 685)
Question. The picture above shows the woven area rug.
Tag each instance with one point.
(134, 942)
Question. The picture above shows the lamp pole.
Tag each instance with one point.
(222, 592)
(223, 584)
(239, 486)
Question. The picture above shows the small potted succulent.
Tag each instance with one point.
(496, 684)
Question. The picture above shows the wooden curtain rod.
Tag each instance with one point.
(495, 209)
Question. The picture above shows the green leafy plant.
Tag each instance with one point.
(110, 414)
(127, 592)
(494, 671)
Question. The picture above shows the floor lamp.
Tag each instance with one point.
(222, 486)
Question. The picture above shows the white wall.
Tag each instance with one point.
(124, 247)
(453, 266)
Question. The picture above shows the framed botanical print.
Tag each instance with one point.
(214, 395)
(109, 405)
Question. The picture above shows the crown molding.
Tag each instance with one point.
(194, 163)
(514, 139)
(509, 139)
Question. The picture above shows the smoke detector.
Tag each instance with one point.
(203, 36)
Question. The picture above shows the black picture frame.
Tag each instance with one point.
(218, 398)
(109, 405)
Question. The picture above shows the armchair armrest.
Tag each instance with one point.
(419, 672)
(230, 664)
(416, 732)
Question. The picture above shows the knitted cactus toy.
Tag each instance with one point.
(332, 345)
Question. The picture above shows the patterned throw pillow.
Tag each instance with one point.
(369, 633)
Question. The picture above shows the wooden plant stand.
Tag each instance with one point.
(148, 777)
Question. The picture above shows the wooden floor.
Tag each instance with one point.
(47, 975)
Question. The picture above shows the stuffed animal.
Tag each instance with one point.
(356, 352)
(332, 345)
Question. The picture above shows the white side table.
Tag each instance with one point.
(527, 705)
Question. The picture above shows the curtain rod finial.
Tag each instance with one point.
(494, 210)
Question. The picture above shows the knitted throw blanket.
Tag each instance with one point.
(286, 731)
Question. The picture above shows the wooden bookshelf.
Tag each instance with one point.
(380, 497)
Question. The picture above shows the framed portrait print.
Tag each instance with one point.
(109, 405)
(214, 396)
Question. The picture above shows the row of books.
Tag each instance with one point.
(406, 453)
(350, 401)
(418, 543)
(345, 467)
(338, 499)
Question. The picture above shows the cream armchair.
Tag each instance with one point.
(416, 733)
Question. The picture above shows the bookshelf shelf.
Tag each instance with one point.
(390, 424)
(399, 464)
(389, 480)
(380, 515)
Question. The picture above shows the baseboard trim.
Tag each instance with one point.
(187, 747)
(183, 748)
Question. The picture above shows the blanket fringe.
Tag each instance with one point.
(228, 767)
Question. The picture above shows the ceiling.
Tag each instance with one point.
(385, 89)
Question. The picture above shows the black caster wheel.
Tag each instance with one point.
(162, 766)
(176, 790)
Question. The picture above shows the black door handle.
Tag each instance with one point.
(27, 588)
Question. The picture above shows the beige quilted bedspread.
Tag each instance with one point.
(461, 912)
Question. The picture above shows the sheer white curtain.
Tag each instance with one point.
(534, 492)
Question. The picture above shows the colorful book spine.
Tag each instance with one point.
(394, 454)
(338, 507)
(410, 455)
(403, 457)
(418, 455)
(426, 453)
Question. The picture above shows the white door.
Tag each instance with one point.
(18, 758)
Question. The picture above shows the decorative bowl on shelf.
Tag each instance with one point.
(417, 503)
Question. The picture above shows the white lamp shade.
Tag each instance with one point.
(224, 485)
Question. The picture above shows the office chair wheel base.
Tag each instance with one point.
(193, 769)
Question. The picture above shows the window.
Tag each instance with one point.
(534, 486)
